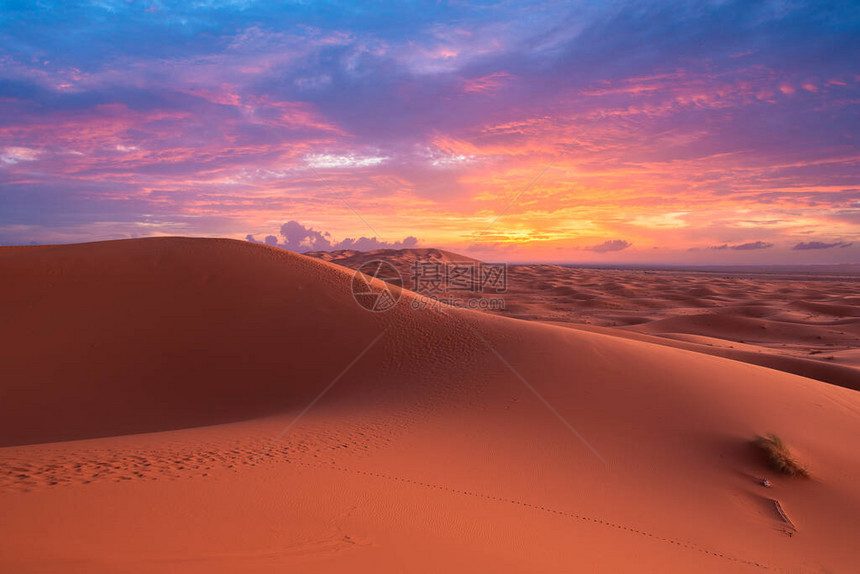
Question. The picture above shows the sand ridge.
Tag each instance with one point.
(802, 323)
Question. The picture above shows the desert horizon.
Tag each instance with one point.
(429, 287)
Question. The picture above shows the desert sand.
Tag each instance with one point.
(200, 405)
(802, 320)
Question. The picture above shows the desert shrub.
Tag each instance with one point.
(779, 456)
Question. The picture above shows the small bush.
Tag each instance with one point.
(779, 456)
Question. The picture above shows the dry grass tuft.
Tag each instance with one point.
(779, 456)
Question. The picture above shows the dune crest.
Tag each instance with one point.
(786, 318)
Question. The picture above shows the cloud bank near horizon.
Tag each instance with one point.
(296, 237)
(807, 245)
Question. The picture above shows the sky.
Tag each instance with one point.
(702, 132)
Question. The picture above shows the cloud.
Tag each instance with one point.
(13, 155)
(371, 243)
(297, 237)
(610, 245)
(342, 161)
(751, 246)
(487, 83)
(805, 245)
(301, 239)
(451, 160)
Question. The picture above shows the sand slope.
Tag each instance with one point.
(119, 337)
(783, 318)
(456, 440)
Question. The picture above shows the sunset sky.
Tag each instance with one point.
(723, 132)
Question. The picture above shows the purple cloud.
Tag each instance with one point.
(751, 246)
(301, 239)
(804, 245)
(610, 245)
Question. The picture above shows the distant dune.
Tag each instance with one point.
(402, 258)
(282, 427)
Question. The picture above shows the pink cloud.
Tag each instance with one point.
(485, 84)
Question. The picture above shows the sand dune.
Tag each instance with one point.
(445, 440)
(793, 320)
(97, 337)
(402, 258)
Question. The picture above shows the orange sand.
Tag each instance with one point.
(431, 453)
(806, 324)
